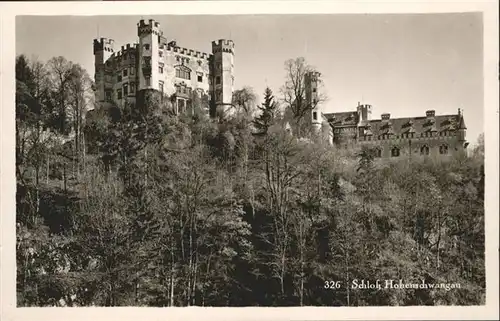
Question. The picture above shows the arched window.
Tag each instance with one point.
(378, 152)
(395, 152)
(424, 150)
(443, 149)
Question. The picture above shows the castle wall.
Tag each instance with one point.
(413, 146)
(122, 74)
(197, 62)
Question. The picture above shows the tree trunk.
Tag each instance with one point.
(37, 191)
(346, 256)
(190, 265)
(48, 168)
(172, 271)
(438, 243)
(302, 244)
(194, 279)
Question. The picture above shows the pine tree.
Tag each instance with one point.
(268, 109)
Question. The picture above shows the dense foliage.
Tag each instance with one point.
(134, 206)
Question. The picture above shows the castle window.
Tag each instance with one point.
(146, 46)
(160, 53)
(132, 87)
(314, 90)
(108, 95)
(119, 78)
(177, 58)
(395, 152)
(199, 62)
(125, 72)
(378, 152)
(200, 77)
(160, 70)
(184, 73)
(125, 89)
(148, 81)
(217, 80)
(443, 149)
(424, 150)
(119, 94)
(219, 65)
(315, 115)
(160, 86)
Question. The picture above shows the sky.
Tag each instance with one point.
(402, 64)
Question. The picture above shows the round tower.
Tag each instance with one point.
(103, 49)
(149, 34)
(222, 73)
(311, 84)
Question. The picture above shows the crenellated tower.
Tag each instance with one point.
(364, 113)
(103, 49)
(222, 74)
(311, 83)
(149, 34)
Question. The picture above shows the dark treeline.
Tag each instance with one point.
(134, 206)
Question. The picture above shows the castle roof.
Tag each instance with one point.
(461, 124)
(398, 126)
(342, 118)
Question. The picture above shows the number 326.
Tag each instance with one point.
(332, 284)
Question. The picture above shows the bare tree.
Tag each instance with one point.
(295, 92)
(244, 100)
(59, 74)
(79, 101)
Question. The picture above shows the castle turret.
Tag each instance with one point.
(311, 82)
(103, 49)
(222, 74)
(149, 34)
(364, 113)
(461, 128)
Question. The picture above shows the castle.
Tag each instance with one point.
(155, 63)
(180, 73)
(429, 135)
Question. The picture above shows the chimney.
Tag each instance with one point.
(430, 113)
(386, 116)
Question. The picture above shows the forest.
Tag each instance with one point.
(135, 206)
